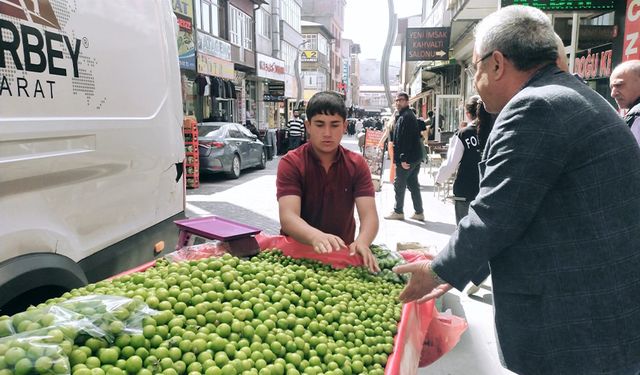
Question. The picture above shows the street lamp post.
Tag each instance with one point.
(297, 73)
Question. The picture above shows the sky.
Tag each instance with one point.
(365, 22)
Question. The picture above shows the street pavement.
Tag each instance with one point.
(251, 199)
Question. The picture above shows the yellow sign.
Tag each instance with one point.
(214, 66)
(309, 56)
(182, 7)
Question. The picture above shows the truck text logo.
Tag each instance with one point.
(33, 49)
(38, 11)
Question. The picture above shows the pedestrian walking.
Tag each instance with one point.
(295, 131)
(407, 156)
(557, 213)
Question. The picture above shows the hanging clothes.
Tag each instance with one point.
(201, 83)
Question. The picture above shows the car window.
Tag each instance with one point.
(211, 131)
(234, 132)
(245, 132)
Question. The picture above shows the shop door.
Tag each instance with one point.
(448, 115)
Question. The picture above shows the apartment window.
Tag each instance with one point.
(314, 80)
(291, 13)
(240, 28)
(311, 42)
(263, 23)
(323, 45)
(208, 16)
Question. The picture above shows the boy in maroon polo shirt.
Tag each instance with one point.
(319, 183)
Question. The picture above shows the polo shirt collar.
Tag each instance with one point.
(339, 157)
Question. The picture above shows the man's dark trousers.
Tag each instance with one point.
(294, 141)
(407, 179)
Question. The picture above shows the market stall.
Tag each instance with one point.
(202, 310)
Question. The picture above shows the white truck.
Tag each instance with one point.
(91, 144)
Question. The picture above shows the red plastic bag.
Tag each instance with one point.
(294, 249)
(443, 334)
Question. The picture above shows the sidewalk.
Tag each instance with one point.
(254, 202)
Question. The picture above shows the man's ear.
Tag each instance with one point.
(497, 65)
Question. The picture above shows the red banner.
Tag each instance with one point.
(631, 49)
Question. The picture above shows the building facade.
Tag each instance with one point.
(315, 57)
(329, 13)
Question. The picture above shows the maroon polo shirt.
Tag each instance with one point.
(328, 198)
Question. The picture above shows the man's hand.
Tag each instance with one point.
(326, 243)
(367, 256)
(405, 165)
(422, 285)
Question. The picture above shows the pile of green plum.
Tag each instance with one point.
(270, 314)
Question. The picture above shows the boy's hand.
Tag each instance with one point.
(369, 259)
(326, 243)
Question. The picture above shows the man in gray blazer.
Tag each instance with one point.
(557, 216)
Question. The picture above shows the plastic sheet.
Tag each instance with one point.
(294, 249)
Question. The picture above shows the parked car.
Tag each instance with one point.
(229, 148)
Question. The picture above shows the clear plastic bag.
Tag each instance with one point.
(195, 252)
(111, 315)
(387, 259)
(36, 318)
(41, 351)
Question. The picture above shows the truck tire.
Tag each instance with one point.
(33, 278)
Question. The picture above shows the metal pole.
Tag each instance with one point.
(386, 53)
(575, 33)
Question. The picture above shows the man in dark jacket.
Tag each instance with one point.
(557, 214)
(407, 155)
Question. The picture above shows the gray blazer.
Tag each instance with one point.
(558, 219)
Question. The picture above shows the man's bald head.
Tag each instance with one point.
(625, 84)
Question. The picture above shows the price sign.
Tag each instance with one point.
(572, 5)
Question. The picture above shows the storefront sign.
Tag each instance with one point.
(214, 46)
(345, 71)
(214, 66)
(182, 7)
(309, 56)
(268, 67)
(576, 5)
(185, 23)
(428, 43)
(374, 155)
(594, 64)
(186, 50)
(632, 31)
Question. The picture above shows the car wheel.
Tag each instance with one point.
(235, 167)
(263, 160)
